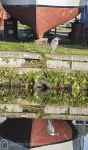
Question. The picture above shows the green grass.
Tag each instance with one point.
(30, 46)
(22, 46)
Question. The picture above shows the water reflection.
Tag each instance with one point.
(82, 127)
(17, 132)
(24, 134)
(61, 97)
(86, 142)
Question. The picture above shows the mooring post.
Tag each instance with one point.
(55, 30)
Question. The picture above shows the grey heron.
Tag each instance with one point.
(54, 44)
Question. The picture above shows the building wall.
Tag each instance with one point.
(84, 14)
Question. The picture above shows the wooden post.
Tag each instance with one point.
(55, 30)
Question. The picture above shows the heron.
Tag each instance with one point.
(2, 119)
(54, 44)
(50, 128)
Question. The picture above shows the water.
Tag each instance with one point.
(47, 97)
(83, 135)
(18, 138)
(86, 142)
(29, 100)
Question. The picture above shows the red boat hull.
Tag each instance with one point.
(42, 18)
(40, 136)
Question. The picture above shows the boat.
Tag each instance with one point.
(38, 134)
(51, 134)
(42, 15)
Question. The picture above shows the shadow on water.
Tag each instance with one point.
(17, 130)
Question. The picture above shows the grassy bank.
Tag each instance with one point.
(30, 46)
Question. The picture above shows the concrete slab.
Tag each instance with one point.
(56, 64)
(11, 62)
(80, 66)
(67, 57)
(78, 111)
(56, 110)
(10, 108)
(48, 116)
(42, 41)
(25, 55)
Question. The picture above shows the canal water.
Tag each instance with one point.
(17, 137)
(15, 133)
(60, 97)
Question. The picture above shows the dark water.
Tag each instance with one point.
(15, 135)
